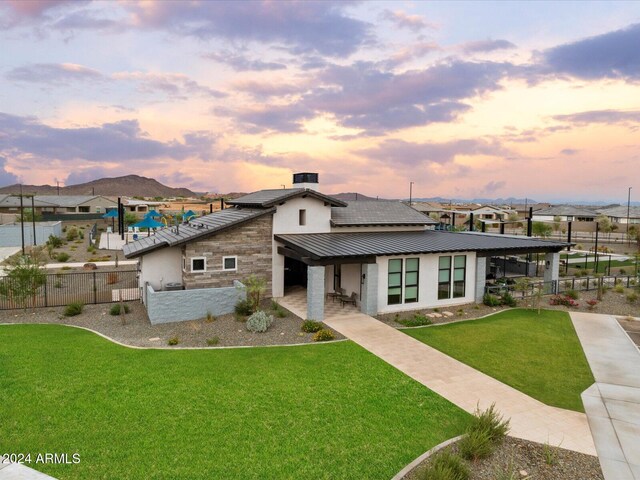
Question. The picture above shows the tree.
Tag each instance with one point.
(255, 287)
(130, 218)
(27, 213)
(23, 280)
(556, 223)
(541, 229)
(604, 224)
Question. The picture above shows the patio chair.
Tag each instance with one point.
(337, 294)
(353, 298)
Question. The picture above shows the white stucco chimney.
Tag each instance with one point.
(305, 180)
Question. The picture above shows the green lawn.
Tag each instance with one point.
(320, 411)
(539, 355)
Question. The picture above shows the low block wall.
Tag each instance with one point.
(10, 235)
(192, 304)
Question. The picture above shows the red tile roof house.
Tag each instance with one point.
(383, 251)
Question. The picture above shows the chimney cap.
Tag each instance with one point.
(305, 177)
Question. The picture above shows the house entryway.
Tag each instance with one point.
(295, 273)
(295, 300)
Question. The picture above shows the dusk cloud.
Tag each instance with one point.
(54, 73)
(175, 85)
(240, 63)
(6, 178)
(611, 55)
(482, 46)
(402, 19)
(609, 117)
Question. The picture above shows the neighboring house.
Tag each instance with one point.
(565, 213)
(381, 251)
(58, 204)
(618, 214)
(139, 206)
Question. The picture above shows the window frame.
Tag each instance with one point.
(406, 282)
(448, 282)
(204, 259)
(389, 287)
(302, 217)
(464, 277)
(235, 263)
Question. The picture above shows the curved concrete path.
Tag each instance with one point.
(613, 402)
(466, 387)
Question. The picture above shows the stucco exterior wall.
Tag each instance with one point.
(428, 283)
(161, 267)
(10, 235)
(182, 305)
(350, 278)
(251, 243)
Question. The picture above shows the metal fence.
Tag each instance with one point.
(58, 289)
(563, 285)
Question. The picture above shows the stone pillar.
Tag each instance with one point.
(551, 270)
(482, 263)
(369, 300)
(315, 293)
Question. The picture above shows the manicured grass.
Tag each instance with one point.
(539, 355)
(319, 411)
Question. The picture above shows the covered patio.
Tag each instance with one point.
(295, 300)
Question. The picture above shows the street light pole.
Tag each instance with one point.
(411, 193)
(628, 214)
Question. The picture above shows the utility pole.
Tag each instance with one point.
(411, 193)
(33, 218)
(22, 220)
(58, 185)
(628, 212)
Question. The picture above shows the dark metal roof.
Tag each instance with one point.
(378, 212)
(270, 198)
(193, 230)
(362, 244)
(563, 210)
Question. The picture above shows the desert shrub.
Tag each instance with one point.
(563, 300)
(323, 335)
(417, 320)
(619, 288)
(476, 444)
(54, 241)
(115, 309)
(72, 234)
(492, 422)
(244, 308)
(311, 326)
(173, 341)
(491, 300)
(592, 304)
(446, 465)
(623, 271)
(572, 294)
(255, 287)
(73, 309)
(91, 249)
(62, 257)
(507, 299)
(81, 234)
(213, 341)
(632, 297)
(211, 317)
(278, 311)
(259, 322)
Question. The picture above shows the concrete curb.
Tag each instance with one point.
(176, 348)
(406, 470)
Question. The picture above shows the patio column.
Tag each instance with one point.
(369, 300)
(315, 293)
(551, 270)
(481, 276)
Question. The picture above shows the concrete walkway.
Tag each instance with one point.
(17, 471)
(613, 402)
(466, 387)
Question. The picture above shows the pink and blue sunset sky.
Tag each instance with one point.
(466, 99)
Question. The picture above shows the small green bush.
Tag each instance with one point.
(54, 241)
(632, 297)
(446, 465)
(115, 309)
(72, 234)
(213, 341)
(623, 271)
(417, 320)
(492, 422)
(475, 445)
(490, 300)
(259, 322)
(507, 299)
(278, 311)
(173, 341)
(62, 257)
(619, 288)
(244, 308)
(311, 326)
(323, 335)
(210, 317)
(573, 294)
(73, 309)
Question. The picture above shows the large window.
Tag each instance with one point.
(444, 278)
(452, 285)
(411, 277)
(394, 294)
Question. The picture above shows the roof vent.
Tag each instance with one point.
(305, 180)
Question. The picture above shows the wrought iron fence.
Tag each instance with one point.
(59, 289)
(529, 289)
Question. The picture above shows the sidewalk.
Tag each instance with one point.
(613, 402)
(466, 387)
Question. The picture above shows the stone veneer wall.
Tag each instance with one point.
(250, 242)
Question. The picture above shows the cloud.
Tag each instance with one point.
(411, 52)
(569, 151)
(482, 46)
(304, 27)
(6, 178)
(493, 186)
(415, 23)
(241, 63)
(279, 118)
(608, 117)
(263, 90)
(410, 154)
(54, 73)
(122, 141)
(611, 55)
(176, 85)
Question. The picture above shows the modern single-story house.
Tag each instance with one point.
(381, 252)
(565, 213)
(58, 204)
(618, 214)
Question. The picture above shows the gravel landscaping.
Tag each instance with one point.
(224, 331)
(527, 460)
